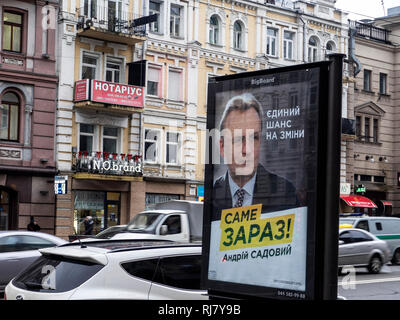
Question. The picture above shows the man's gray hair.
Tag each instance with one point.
(241, 103)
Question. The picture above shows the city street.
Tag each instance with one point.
(365, 286)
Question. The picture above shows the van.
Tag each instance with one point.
(385, 228)
(175, 220)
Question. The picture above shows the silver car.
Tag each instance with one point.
(18, 249)
(359, 248)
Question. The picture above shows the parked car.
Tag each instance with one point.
(113, 269)
(18, 249)
(385, 228)
(359, 248)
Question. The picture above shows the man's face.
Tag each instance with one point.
(241, 153)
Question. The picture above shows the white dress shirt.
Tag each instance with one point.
(248, 188)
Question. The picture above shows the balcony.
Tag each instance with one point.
(370, 32)
(109, 24)
(106, 166)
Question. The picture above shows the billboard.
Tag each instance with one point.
(262, 181)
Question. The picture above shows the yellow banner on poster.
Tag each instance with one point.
(243, 228)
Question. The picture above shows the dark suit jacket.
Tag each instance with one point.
(272, 191)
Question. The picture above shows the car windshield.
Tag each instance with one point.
(142, 221)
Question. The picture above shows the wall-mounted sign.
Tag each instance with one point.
(116, 93)
(81, 90)
(345, 188)
(361, 189)
(13, 61)
(60, 184)
(108, 92)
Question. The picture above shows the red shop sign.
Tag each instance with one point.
(116, 93)
(81, 90)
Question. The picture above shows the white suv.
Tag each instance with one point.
(112, 269)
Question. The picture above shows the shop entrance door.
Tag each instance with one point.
(112, 214)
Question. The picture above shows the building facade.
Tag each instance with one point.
(373, 104)
(28, 93)
(165, 136)
(192, 41)
(99, 112)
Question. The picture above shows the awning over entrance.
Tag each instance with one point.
(358, 201)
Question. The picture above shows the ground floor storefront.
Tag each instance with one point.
(26, 194)
(112, 200)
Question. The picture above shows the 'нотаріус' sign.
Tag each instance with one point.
(109, 93)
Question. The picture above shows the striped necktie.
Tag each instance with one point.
(240, 198)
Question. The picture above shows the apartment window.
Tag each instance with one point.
(358, 126)
(367, 128)
(86, 137)
(383, 83)
(312, 49)
(89, 66)
(330, 47)
(237, 35)
(151, 145)
(370, 127)
(375, 131)
(293, 99)
(172, 148)
(9, 117)
(174, 85)
(12, 31)
(113, 70)
(153, 81)
(175, 20)
(367, 80)
(110, 139)
(272, 41)
(288, 45)
(90, 8)
(214, 30)
(155, 8)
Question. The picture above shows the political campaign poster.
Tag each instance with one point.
(261, 182)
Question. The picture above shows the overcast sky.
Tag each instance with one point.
(366, 9)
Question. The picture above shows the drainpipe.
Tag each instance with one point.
(352, 47)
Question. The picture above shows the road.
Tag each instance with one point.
(361, 285)
(364, 286)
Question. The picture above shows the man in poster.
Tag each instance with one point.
(246, 181)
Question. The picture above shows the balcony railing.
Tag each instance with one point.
(119, 164)
(369, 31)
(109, 19)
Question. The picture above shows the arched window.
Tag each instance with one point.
(312, 49)
(9, 117)
(214, 30)
(237, 35)
(330, 47)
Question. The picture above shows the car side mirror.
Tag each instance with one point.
(164, 229)
(341, 242)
